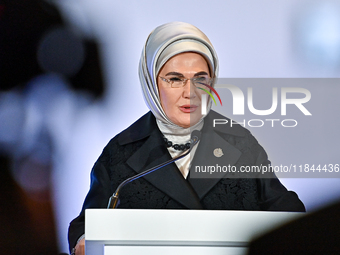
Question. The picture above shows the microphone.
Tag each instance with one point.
(114, 199)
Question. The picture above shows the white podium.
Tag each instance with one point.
(165, 232)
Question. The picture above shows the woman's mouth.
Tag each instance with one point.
(187, 108)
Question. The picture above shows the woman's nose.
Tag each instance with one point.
(189, 90)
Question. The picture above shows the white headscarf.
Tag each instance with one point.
(163, 43)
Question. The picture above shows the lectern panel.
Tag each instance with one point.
(171, 250)
(128, 231)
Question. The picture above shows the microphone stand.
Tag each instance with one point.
(114, 199)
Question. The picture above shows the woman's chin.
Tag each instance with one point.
(188, 121)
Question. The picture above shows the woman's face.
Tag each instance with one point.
(182, 105)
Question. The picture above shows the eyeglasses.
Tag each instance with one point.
(199, 82)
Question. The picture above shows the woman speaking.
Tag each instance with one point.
(177, 65)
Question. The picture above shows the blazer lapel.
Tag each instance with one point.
(205, 156)
(167, 179)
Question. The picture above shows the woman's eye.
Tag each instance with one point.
(201, 79)
(175, 79)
